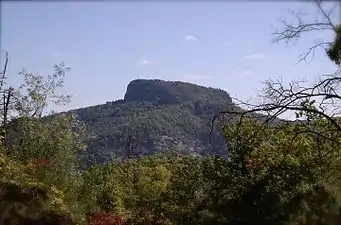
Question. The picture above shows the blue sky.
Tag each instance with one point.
(226, 45)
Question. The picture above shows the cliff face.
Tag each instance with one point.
(171, 92)
(155, 116)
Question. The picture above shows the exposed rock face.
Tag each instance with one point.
(170, 92)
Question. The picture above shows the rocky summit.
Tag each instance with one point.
(155, 116)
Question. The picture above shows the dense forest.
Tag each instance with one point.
(155, 116)
(284, 173)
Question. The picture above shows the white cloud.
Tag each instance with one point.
(254, 56)
(242, 72)
(190, 38)
(249, 42)
(145, 62)
(197, 77)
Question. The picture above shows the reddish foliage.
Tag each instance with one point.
(103, 218)
(39, 163)
(42, 162)
(251, 163)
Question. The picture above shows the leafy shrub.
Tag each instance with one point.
(103, 218)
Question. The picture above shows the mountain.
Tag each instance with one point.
(155, 116)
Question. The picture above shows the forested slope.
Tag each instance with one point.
(156, 116)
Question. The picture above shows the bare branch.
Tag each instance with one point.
(3, 73)
(294, 31)
(311, 51)
(326, 15)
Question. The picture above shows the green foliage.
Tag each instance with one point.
(19, 188)
(274, 175)
(334, 50)
(31, 139)
(155, 126)
(283, 174)
(39, 155)
(36, 93)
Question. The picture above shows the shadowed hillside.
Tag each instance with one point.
(155, 116)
